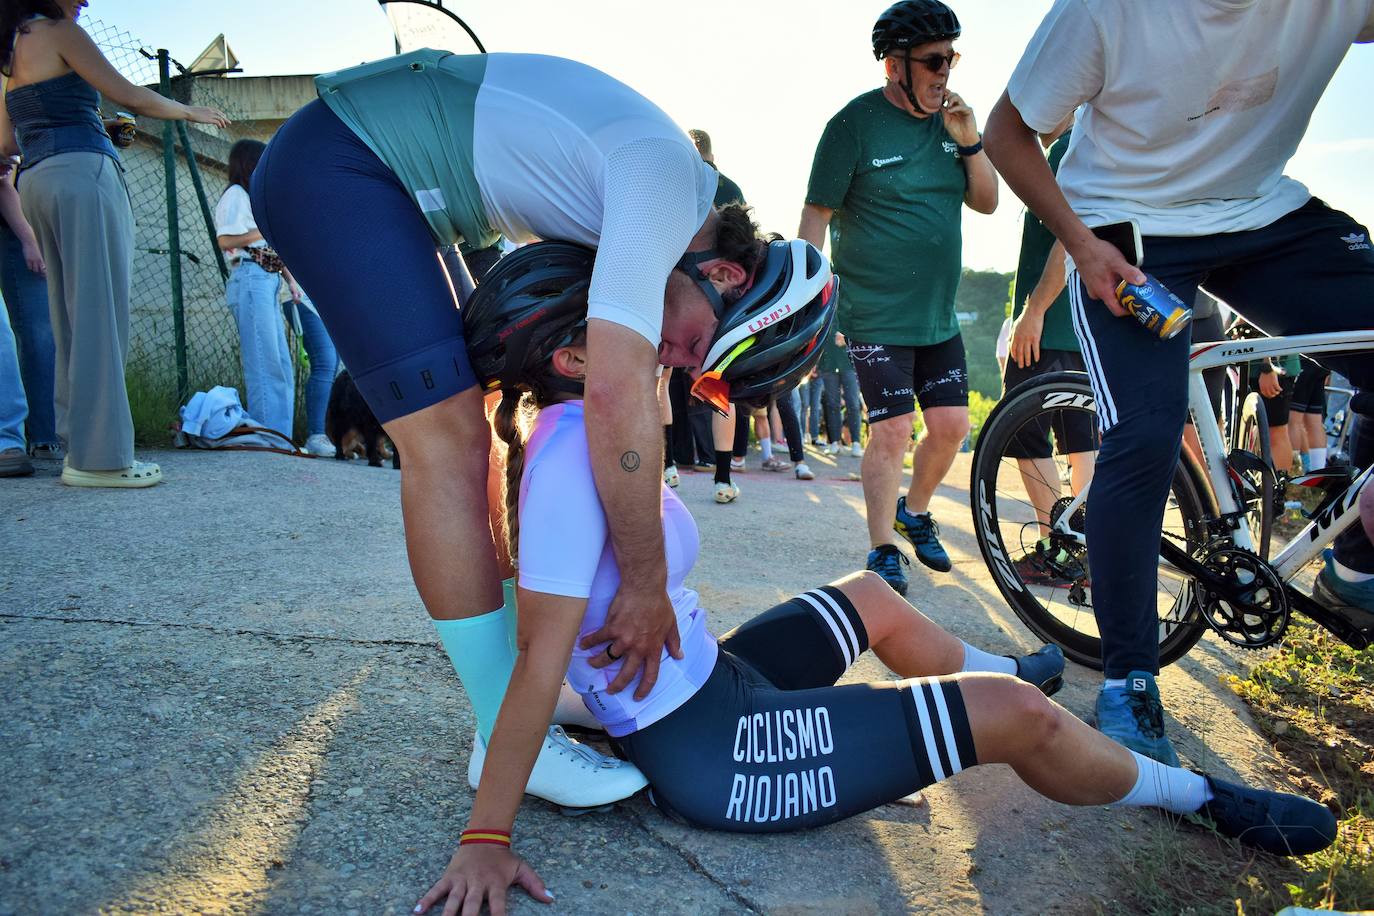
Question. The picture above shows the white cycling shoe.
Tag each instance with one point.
(569, 774)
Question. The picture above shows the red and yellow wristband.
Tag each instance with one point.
(476, 835)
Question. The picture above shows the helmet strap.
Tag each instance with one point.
(906, 87)
(690, 264)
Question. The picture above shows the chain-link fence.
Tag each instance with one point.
(182, 335)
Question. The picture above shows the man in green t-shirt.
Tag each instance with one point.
(727, 192)
(892, 172)
(1043, 341)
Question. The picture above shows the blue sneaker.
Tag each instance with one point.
(1279, 823)
(924, 535)
(887, 561)
(1133, 716)
(1044, 669)
(1352, 600)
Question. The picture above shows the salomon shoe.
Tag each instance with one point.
(1352, 600)
(1286, 825)
(1133, 716)
(671, 477)
(726, 492)
(569, 773)
(924, 535)
(1044, 669)
(888, 562)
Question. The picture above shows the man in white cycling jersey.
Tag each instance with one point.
(1191, 109)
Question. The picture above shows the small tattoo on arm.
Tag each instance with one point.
(630, 461)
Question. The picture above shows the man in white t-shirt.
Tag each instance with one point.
(1191, 109)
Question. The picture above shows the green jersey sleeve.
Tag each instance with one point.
(837, 155)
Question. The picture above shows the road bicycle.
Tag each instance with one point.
(1030, 525)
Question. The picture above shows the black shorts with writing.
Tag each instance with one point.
(1074, 430)
(893, 379)
(769, 743)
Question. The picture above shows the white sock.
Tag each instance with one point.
(1346, 574)
(976, 659)
(767, 446)
(1171, 788)
(1114, 683)
(1316, 457)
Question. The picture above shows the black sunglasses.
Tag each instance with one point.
(937, 62)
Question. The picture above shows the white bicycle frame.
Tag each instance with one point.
(1334, 519)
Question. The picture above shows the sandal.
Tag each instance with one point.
(140, 474)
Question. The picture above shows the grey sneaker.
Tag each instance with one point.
(14, 462)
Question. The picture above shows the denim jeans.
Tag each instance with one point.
(13, 406)
(836, 382)
(268, 377)
(811, 397)
(26, 298)
(324, 362)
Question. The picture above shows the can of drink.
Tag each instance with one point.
(124, 135)
(1160, 311)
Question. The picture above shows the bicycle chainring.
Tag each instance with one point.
(1251, 610)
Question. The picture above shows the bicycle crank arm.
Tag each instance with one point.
(1338, 626)
(1342, 629)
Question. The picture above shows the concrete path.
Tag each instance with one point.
(222, 695)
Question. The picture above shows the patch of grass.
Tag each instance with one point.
(1314, 699)
(1175, 869)
(153, 403)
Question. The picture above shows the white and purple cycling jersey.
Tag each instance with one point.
(565, 549)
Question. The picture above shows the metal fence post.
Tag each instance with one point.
(169, 164)
(200, 196)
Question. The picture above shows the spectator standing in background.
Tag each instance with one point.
(1042, 340)
(892, 173)
(252, 293)
(725, 431)
(25, 287)
(72, 188)
(727, 192)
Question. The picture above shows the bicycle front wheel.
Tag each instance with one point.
(1020, 486)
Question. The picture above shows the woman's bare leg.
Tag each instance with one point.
(1049, 748)
(907, 641)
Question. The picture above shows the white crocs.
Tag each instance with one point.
(568, 773)
(139, 474)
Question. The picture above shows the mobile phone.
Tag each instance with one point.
(1125, 237)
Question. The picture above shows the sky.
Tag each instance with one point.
(761, 76)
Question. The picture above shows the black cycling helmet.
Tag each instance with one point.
(913, 22)
(771, 336)
(531, 303)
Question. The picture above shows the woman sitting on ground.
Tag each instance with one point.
(750, 732)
